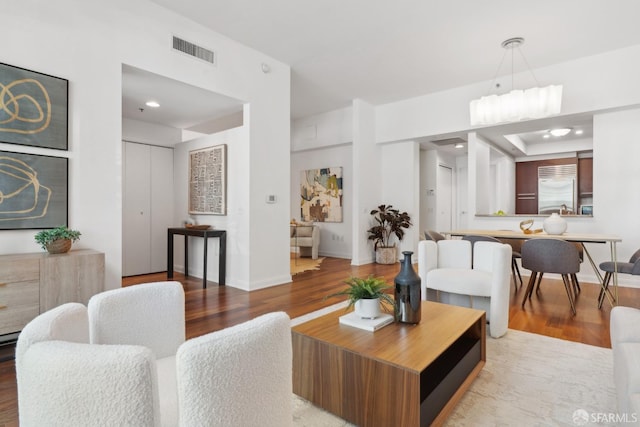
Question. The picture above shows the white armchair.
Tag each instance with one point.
(306, 238)
(237, 376)
(448, 275)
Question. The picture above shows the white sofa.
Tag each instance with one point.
(625, 343)
(144, 373)
(306, 238)
(448, 275)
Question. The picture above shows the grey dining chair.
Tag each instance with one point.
(514, 265)
(551, 256)
(576, 283)
(631, 267)
(516, 253)
(433, 235)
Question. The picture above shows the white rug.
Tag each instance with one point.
(528, 380)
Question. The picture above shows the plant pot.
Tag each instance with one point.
(368, 308)
(387, 255)
(59, 246)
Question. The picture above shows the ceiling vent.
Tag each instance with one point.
(448, 141)
(194, 50)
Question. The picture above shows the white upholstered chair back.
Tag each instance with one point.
(239, 376)
(65, 381)
(149, 314)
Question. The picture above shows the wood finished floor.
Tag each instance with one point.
(218, 307)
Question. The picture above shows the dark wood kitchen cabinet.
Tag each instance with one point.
(526, 188)
(585, 177)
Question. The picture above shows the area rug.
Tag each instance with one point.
(528, 380)
(300, 264)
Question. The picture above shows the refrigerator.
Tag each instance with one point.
(553, 193)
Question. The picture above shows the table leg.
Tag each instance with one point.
(169, 255)
(186, 255)
(204, 271)
(222, 260)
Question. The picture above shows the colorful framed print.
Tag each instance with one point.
(321, 195)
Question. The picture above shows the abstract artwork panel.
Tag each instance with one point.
(33, 191)
(321, 195)
(33, 108)
(208, 181)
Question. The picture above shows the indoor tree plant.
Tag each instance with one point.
(389, 222)
(367, 295)
(57, 240)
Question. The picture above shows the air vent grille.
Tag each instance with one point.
(448, 141)
(194, 50)
(558, 171)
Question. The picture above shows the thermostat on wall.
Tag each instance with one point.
(271, 198)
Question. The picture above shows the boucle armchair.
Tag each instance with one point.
(145, 373)
(306, 238)
(64, 380)
(625, 345)
(449, 276)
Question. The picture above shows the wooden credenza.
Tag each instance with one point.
(31, 284)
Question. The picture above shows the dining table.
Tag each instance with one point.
(581, 238)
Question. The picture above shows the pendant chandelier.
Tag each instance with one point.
(532, 103)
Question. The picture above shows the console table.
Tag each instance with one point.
(205, 234)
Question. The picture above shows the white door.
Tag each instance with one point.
(136, 230)
(445, 198)
(161, 205)
(462, 186)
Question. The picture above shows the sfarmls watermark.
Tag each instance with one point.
(582, 417)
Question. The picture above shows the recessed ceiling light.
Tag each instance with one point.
(579, 132)
(152, 104)
(560, 131)
(459, 145)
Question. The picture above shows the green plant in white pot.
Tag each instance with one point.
(367, 295)
(389, 222)
(57, 240)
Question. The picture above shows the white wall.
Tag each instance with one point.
(366, 179)
(87, 43)
(399, 186)
(150, 133)
(335, 237)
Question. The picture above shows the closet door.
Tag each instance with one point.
(136, 221)
(161, 205)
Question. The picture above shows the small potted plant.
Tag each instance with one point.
(389, 222)
(57, 240)
(367, 295)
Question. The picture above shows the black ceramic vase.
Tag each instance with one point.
(407, 292)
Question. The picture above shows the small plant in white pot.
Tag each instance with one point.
(367, 295)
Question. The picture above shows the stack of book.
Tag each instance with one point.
(352, 319)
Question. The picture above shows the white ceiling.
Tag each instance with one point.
(182, 106)
(382, 51)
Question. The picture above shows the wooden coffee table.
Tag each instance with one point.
(402, 375)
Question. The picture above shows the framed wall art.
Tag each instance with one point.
(321, 195)
(33, 108)
(208, 180)
(33, 191)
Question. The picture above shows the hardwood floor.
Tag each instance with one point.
(218, 307)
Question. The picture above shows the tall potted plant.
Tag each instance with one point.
(389, 222)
